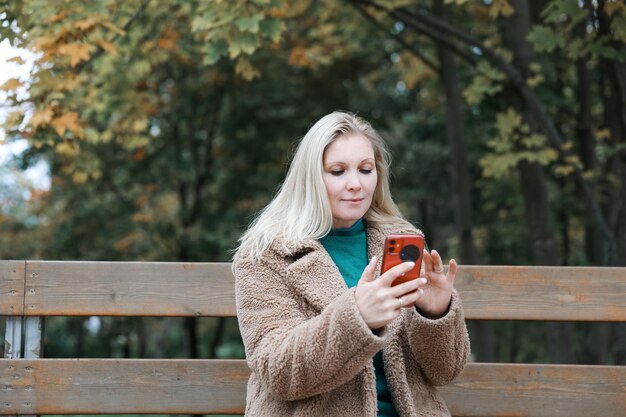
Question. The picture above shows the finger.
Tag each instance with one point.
(411, 298)
(452, 268)
(437, 262)
(388, 277)
(427, 262)
(368, 272)
(407, 287)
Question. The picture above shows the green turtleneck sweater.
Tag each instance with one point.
(348, 249)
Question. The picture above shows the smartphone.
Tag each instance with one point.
(403, 248)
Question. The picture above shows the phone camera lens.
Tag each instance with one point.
(410, 253)
(391, 249)
(393, 242)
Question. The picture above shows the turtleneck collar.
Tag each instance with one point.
(356, 228)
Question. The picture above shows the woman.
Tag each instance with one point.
(324, 334)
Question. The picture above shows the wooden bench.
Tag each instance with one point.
(35, 289)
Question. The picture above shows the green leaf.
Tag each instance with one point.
(272, 29)
(558, 10)
(243, 42)
(618, 27)
(214, 51)
(544, 39)
(249, 23)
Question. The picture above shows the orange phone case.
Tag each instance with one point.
(403, 248)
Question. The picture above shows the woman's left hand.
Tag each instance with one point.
(435, 301)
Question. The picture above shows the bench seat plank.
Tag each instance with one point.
(122, 386)
(176, 386)
(489, 389)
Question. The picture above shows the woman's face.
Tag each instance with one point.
(350, 178)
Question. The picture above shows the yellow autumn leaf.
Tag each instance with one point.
(56, 18)
(603, 134)
(413, 70)
(501, 7)
(42, 117)
(246, 69)
(113, 27)
(80, 177)
(68, 121)
(85, 24)
(18, 60)
(67, 148)
(43, 43)
(107, 46)
(611, 8)
(76, 52)
(11, 84)
(142, 217)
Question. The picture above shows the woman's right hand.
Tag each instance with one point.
(378, 302)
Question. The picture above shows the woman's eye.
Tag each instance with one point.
(366, 171)
(336, 172)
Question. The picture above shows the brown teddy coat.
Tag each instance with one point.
(311, 353)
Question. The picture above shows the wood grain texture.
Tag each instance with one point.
(129, 289)
(538, 391)
(207, 289)
(12, 288)
(543, 293)
(110, 386)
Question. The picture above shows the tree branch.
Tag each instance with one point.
(420, 28)
(429, 63)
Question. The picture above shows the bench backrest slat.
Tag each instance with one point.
(129, 289)
(12, 288)
(207, 289)
(110, 386)
(543, 293)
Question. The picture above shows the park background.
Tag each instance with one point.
(163, 126)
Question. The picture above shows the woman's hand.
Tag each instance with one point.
(438, 290)
(378, 302)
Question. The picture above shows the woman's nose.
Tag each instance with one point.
(353, 182)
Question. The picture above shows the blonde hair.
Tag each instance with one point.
(301, 210)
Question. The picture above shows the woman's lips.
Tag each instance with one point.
(353, 200)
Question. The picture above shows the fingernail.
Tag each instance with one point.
(410, 263)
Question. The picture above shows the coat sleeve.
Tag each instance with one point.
(440, 346)
(293, 356)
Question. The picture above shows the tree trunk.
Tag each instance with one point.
(483, 342)
(546, 249)
(614, 100)
(454, 126)
(598, 339)
(594, 242)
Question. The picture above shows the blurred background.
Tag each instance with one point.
(154, 130)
